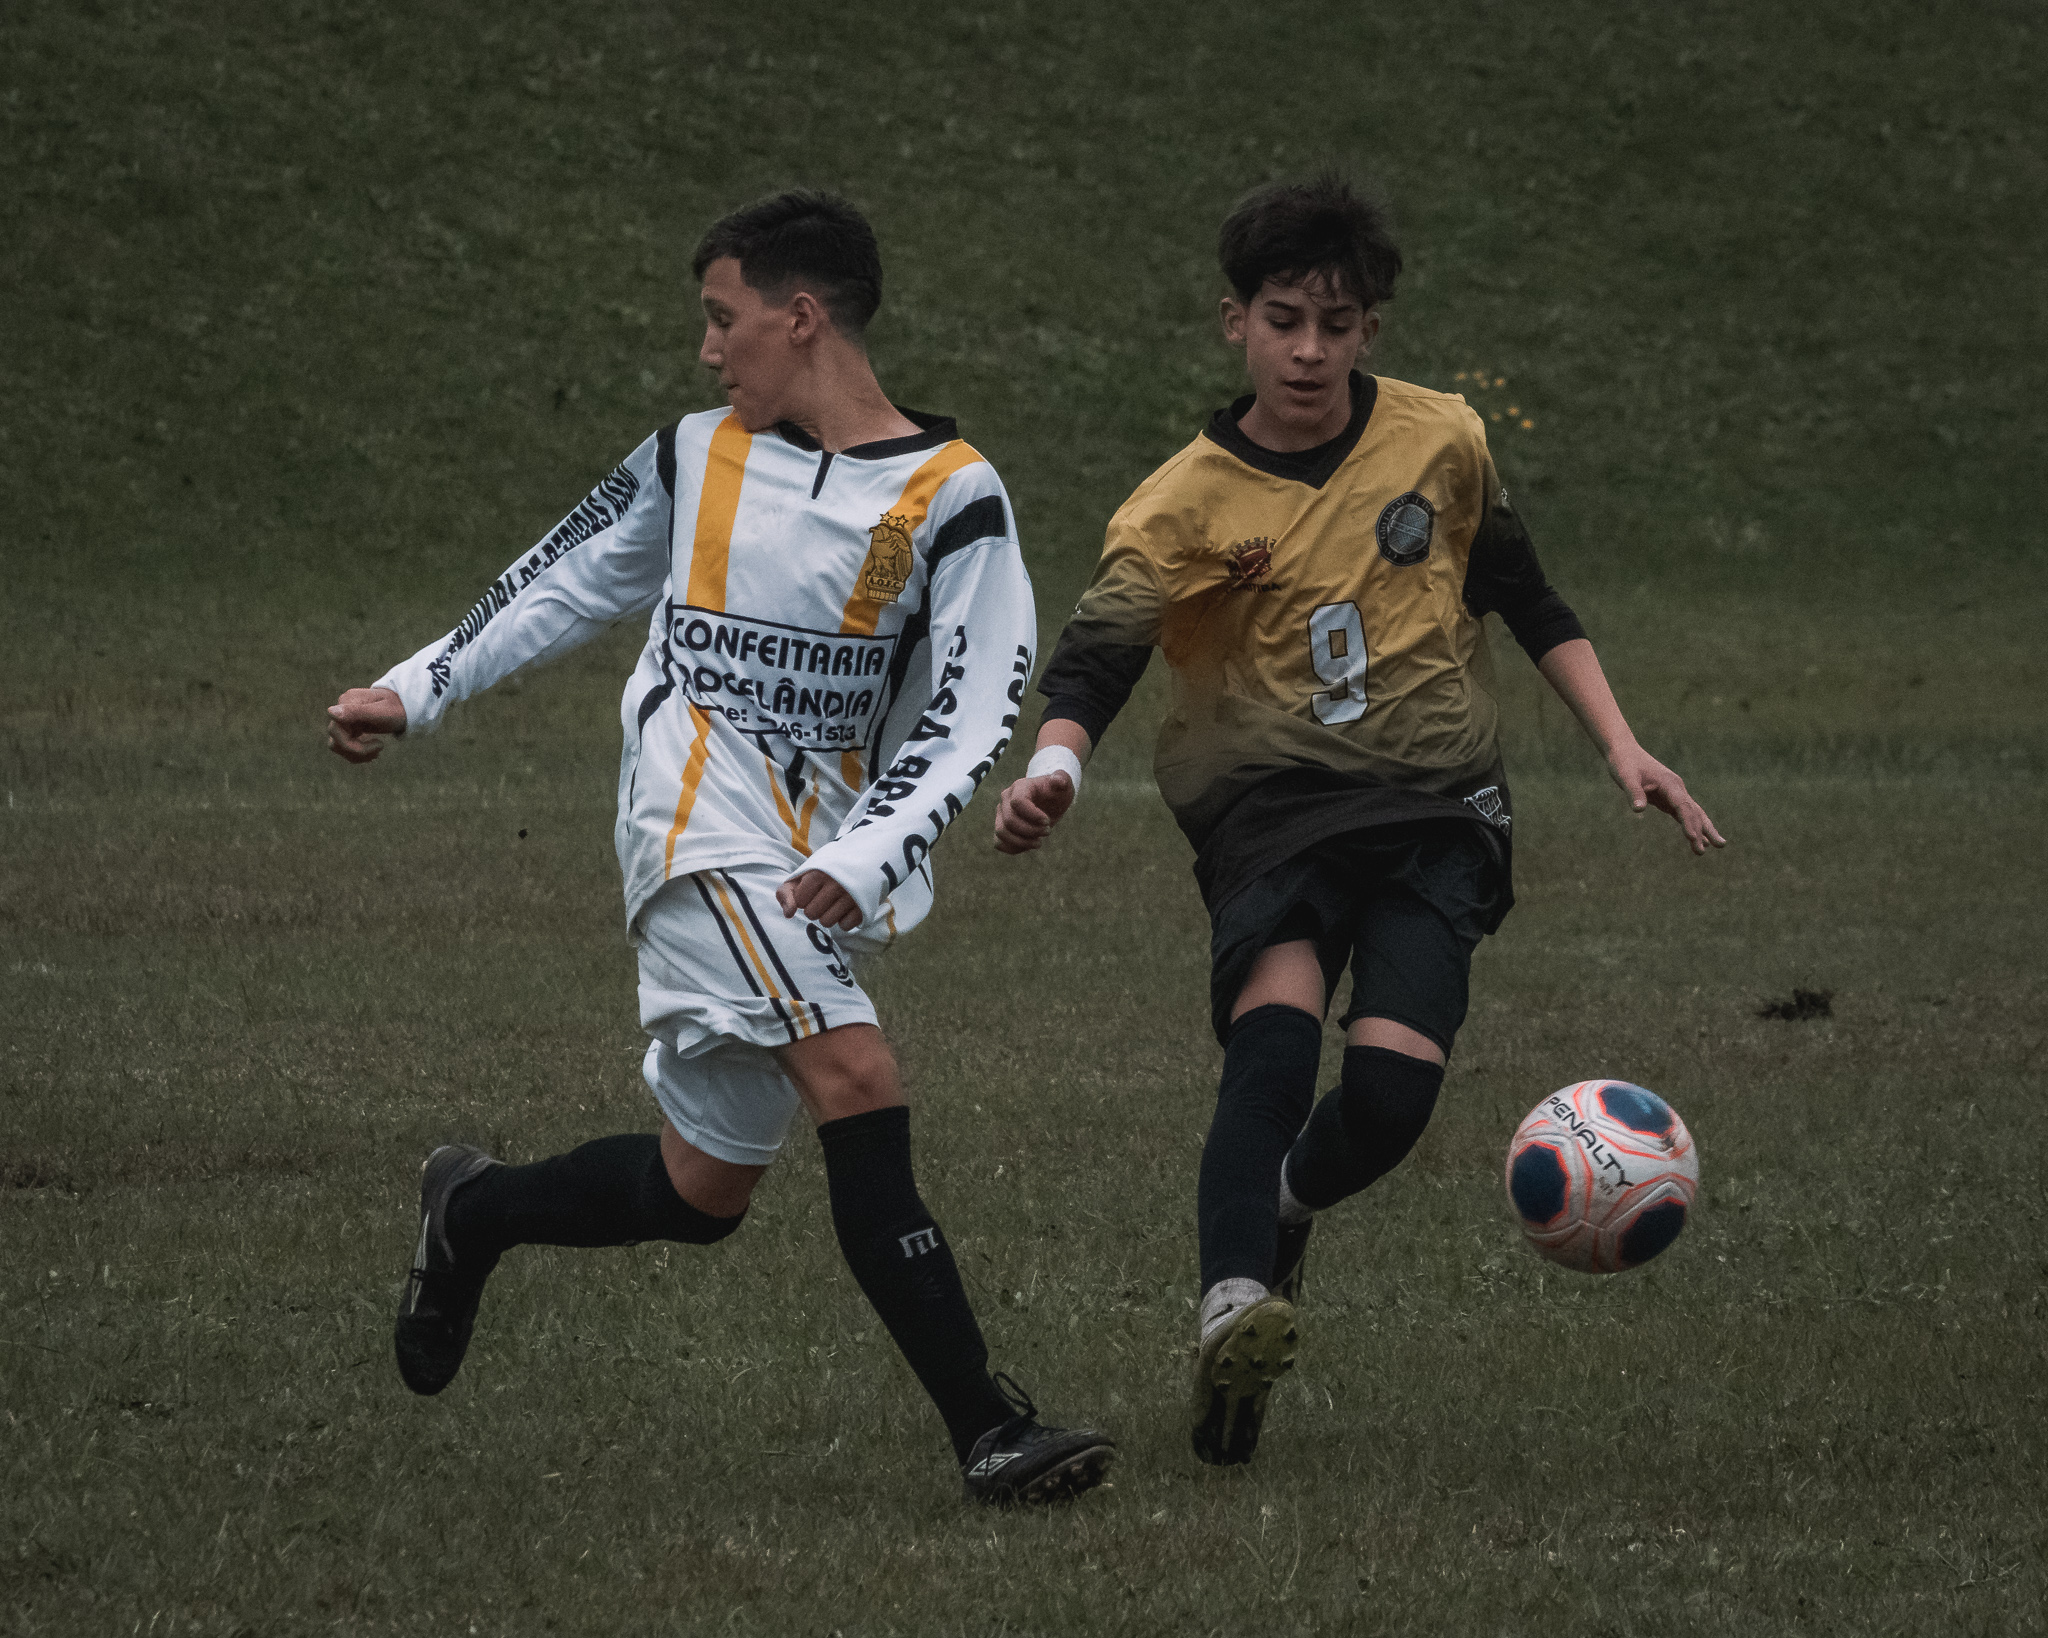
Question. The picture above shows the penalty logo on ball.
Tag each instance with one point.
(1602, 1175)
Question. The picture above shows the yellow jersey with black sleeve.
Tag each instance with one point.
(1322, 612)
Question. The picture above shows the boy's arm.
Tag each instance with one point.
(608, 558)
(357, 722)
(1095, 665)
(1573, 669)
(1503, 577)
(983, 632)
(1029, 807)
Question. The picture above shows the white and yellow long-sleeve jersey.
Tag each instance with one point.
(837, 653)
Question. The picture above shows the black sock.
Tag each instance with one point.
(1365, 1127)
(903, 1264)
(613, 1191)
(1269, 1081)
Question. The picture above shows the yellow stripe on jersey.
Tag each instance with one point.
(762, 970)
(863, 611)
(904, 519)
(799, 827)
(693, 775)
(718, 503)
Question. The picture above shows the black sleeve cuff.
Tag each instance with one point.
(1540, 626)
(1089, 682)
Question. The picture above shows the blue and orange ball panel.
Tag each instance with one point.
(1637, 1109)
(1654, 1229)
(1537, 1184)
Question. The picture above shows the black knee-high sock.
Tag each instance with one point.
(612, 1191)
(906, 1269)
(1269, 1081)
(1365, 1127)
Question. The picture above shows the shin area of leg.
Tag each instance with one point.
(1267, 1087)
(612, 1191)
(903, 1264)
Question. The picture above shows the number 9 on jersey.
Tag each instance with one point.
(1336, 647)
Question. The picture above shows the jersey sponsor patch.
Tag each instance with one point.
(819, 690)
(1405, 529)
(1488, 805)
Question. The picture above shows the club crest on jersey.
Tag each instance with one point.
(887, 569)
(1251, 561)
(1406, 528)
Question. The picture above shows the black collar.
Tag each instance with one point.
(932, 431)
(1313, 467)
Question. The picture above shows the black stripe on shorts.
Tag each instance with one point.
(739, 959)
(769, 945)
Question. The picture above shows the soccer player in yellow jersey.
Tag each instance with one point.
(1316, 567)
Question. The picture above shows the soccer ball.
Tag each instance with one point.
(1602, 1176)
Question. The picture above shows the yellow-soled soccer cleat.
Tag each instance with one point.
(1240, 1359)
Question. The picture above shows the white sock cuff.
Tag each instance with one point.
(1292, 1211)
(1225, 1298)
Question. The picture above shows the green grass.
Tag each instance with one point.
(316, 315)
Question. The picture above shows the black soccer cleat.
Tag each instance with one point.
(1022, 1460)
(1286, 1283)
(437, 1310)
(1235, 1369)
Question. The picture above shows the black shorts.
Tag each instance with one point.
(1403, 906)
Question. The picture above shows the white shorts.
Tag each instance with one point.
(725, 978)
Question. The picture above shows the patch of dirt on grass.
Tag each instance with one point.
(1804, 1004)
(36, 1174)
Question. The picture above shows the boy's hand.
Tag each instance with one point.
(356, 719)
(818, 896)
(1647, 782)
(1029, 808)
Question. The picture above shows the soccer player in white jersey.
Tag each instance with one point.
(841, 632)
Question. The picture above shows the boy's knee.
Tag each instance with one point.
(669, 1214)
(1389, 1096)
(1275, 1017)
(717, 1191)
(845, 1071)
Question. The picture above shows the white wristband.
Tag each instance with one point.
(1055, 759)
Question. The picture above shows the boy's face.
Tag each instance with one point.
(1300, 343)
(750, 344)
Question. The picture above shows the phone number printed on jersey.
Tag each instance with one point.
(819, 690)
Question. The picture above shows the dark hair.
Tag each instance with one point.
(802, 239)
(1292, 231)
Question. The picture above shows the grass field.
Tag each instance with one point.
(316, 314)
